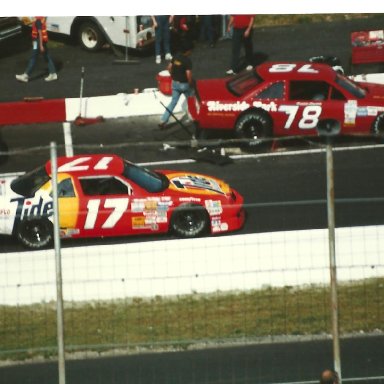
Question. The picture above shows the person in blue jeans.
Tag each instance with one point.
(180, 69)
(207, 31)
(39, 45)
(162, 25)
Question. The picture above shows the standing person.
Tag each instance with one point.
(242, 28)
(180, 69)
(329, 376)
(207, 31)
(39, 45)
(162, 25)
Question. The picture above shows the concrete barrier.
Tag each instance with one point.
(32, 111)
(149, 102)
(206, 265)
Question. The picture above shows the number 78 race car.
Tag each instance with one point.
(104, 195)
(288, 99)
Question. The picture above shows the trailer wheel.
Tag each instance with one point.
(90, 36)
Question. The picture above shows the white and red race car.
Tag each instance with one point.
(105, 195)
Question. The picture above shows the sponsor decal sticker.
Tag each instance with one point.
(350, 111)
(138, 222)
(269, 107)
(217, 106)
(214, 207)
(189, 199)
(191, 182)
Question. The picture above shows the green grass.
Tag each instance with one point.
(278, 20)
(178, 322)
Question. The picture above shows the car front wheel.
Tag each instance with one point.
(254, 125)
(189, 221)
(35, 232)
(378, 126)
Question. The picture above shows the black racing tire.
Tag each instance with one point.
(254, 125)
(35, 232)
(90, 36)
(189, 220)
(378, 126)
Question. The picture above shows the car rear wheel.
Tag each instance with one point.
(378, 126)
(190, 220)
(254, 125)
(90, 36)
(35, 232)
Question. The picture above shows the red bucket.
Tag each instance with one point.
(164, 82)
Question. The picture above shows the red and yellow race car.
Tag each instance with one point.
(288, 99)
(105, 195)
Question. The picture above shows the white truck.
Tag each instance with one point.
(92, 32)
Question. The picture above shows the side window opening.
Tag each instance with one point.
(336, 94)
(274, 91)
(308, 90)
(103, 186)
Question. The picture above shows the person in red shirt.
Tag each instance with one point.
(242, 27)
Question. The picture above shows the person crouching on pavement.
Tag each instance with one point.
(39, 45)
(180, 69)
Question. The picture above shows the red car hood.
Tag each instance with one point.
(213, 88)
(375, 91)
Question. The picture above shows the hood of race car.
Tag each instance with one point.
(196, 184)
(375, 91)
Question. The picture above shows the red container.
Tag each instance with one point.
(164, 82)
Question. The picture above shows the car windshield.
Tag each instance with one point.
(243, 83)
(27, 184)
(151, 181)
(350, 86)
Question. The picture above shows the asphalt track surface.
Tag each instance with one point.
(264, 363)
(104, 77)
(357, 172)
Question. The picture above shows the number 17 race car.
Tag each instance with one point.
(104, 195)
(288, 99)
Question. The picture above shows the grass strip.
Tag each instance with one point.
(27, 331)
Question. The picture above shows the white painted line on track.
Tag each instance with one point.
(69, 149)
(68, 139)
(271, 154)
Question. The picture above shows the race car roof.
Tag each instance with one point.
(88, 164)
(301, 70)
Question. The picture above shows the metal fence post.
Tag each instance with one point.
(59, 281)
(332, 259)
